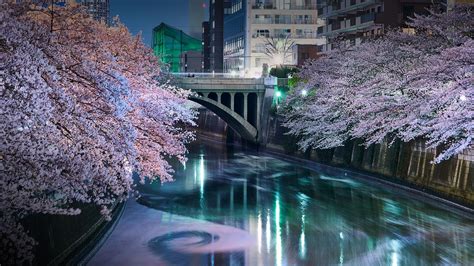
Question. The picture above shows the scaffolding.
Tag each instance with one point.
(170, 43)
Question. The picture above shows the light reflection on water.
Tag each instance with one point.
(302, 217)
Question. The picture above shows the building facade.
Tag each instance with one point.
(169, 44)
(235, 24)
(216, 32)
(98, 9)
(348, 22)
(191, 62)
(206, 48)
(250, 24)
(303, 52)
(213, 36)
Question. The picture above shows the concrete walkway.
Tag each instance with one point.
(145, 236)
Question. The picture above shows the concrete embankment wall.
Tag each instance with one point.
(66, 240)
(408, 164)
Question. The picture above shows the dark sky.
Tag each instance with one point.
(144, 15)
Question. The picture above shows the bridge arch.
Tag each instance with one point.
(238, 101)
(246, 130)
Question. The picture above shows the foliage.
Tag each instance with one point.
(80, 108)
(400, 85)
(282, 71)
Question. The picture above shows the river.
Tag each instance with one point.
(233, 207)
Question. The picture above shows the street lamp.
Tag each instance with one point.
(304, 92)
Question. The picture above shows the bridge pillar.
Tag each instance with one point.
(246, 100)
(232, 94)
(258, 112)
(219, 94)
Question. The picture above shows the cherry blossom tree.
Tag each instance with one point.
(81, 107)
(400, 85)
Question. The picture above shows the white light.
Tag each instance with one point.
(278, 94)
(304, 92)
(463, 98)
(233, 73)
(341, 235)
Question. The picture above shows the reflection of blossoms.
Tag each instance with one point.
(400, 85)
(80, 108)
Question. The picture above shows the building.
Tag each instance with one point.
(196, 13)
(249, 24)
(206, 48)
(303, 52)
(235, 24)
(169, 44)
(98, 9)
(216, 26)
(348, 22)
(191, 62)
(216, 31)
(214, 37)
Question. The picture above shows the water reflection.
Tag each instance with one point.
(303, 217)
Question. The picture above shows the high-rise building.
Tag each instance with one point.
(206, 48)
(348, 22)
(196, 12)
(216, 31)
(215, 36)
(235, 24)
(174, 47)
(250, 25)
(98, 9)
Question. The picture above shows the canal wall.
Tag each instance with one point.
(408, 164)
(66, 240)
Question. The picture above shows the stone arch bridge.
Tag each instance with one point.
(238, 101)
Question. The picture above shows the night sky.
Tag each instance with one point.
(144, 15)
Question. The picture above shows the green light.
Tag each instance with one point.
(278, 94)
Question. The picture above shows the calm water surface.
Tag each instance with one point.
(299, 216)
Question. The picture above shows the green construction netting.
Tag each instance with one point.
(169, 43)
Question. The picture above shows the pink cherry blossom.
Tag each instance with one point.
(81, 107)
(397, 86)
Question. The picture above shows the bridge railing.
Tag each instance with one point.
(210, 75)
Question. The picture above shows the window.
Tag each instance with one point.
(304, 33)
(262, 33)
(353, 21)
(282, 19)
(303, 19)
(263, 19)
(283, 4)
(282, 33)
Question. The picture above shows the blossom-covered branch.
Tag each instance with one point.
(80, 108)
(400, 85)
